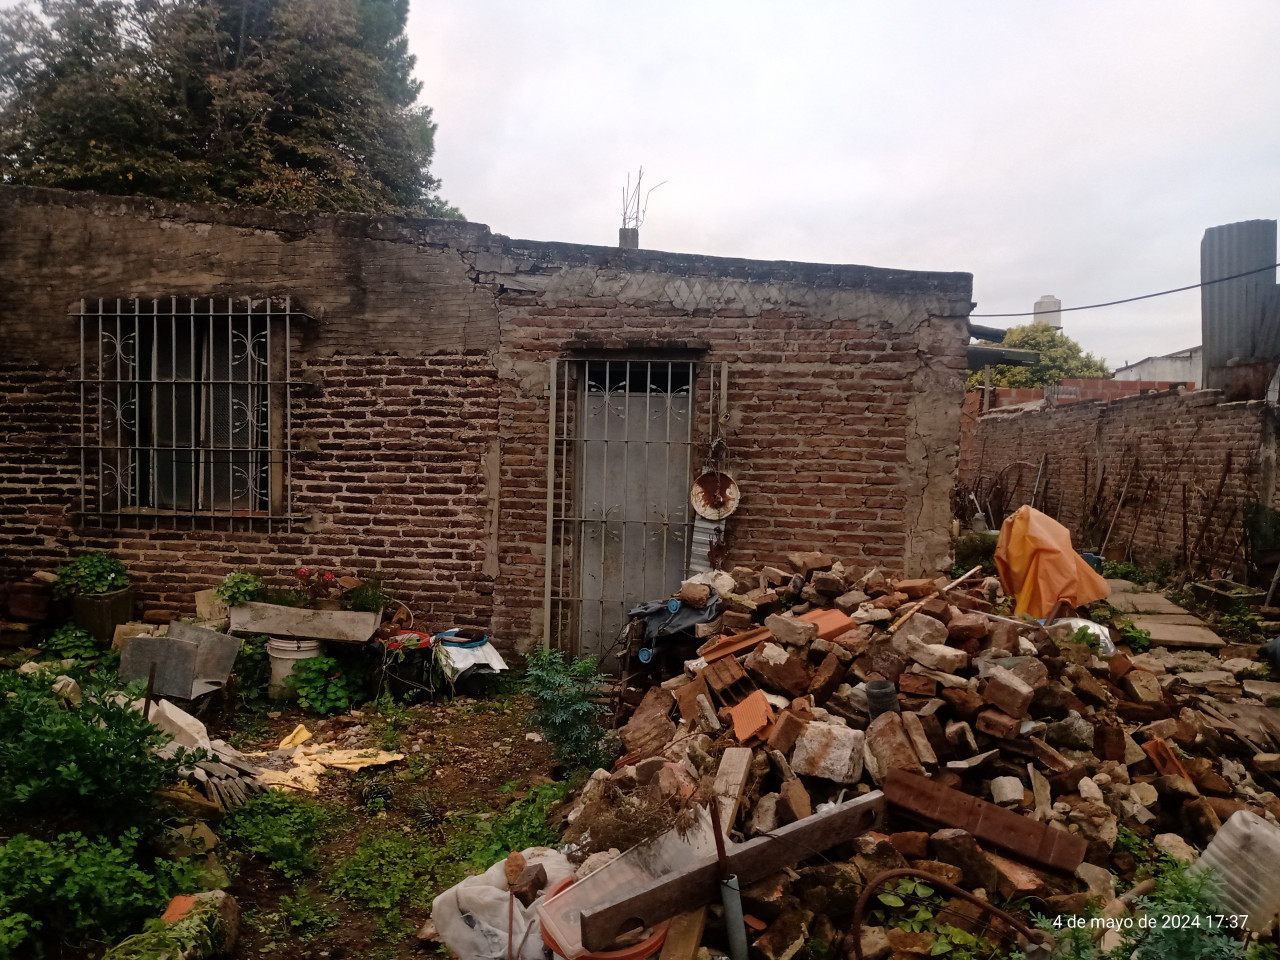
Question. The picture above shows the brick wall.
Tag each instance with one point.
(422, 419)
(1068, 391)
(1167, 454)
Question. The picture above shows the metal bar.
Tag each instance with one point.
(604, 506)
(83, 376)
(666, 478)
(231, 420)
(288, 413)
(648, 417)
(626, 476)
(196, 414)
(551, 486)
(566, 551)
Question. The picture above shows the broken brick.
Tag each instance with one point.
(968, 626)
(793, 802)
(786, 728)
(1006, 691)
(997, 723)
(888, 744)
(775, 669)
(826, 679)
(916, 589)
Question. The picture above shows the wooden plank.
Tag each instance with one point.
(663, 898)
(353, 626)
(731, 779)
(684, 936)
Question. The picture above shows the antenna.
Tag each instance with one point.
(632, 211)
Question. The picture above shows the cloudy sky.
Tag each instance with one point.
(1068, 147)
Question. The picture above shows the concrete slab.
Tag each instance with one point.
(1126, 602)
(1174, 634)
(1186, 619)
(1262, 689)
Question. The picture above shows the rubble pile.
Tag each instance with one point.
(838, 680)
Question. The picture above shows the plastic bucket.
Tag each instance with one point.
(283, 655)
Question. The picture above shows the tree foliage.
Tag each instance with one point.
(302, 104)
(1061, 358)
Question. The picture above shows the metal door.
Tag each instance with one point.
(623, 438)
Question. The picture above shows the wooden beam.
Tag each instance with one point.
(663, 898)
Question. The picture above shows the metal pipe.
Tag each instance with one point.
(735, 926)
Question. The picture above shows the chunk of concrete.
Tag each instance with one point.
(829, 751)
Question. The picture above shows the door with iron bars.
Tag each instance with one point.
(625, 437)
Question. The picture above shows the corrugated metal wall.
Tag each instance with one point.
(1234, 314)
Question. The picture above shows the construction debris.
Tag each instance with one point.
(1012, 755)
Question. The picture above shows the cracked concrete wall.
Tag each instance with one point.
(423, 421)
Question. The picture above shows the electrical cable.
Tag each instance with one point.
(1145, 296)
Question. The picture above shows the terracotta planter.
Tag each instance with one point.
(102, 613)
(278, 621)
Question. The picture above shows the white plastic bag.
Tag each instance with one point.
(472, 917)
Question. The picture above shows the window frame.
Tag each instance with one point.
(223, 393)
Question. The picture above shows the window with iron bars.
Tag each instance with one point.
(185, 411)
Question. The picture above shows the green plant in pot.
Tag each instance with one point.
(100, 592)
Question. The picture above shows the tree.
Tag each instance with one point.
(1061, 358)
(304, 104)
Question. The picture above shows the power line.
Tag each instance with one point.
(1145, 296)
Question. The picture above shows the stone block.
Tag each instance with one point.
(829, 751)
(958, 847)
(1143, 687)
(916, 589)
(826, 679)
(791, 631)
(786, 728)
(1007, 791)
(919, 630)
(938, 656)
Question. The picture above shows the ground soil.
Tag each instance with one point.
(465, 755)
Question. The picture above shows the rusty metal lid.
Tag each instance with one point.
(714, 495)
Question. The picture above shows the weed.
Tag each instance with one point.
(1159, 574)
(565, 710)
(280, 828)
(1129, 842)
(369, 597)
(300, 916)
(1139, 641)
(913, 905)
(251, 727)
(1102, 613)
(1085, 637)
(521, 825)
(71, 642)
(385, 872)
(393, 719)
(1238, 624)
(240, 588)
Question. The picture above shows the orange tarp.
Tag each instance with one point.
(1038, 565)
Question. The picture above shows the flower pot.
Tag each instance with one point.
(101, 613)
(274, 620)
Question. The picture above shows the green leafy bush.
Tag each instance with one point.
(324, 685)
(74, 889)
(89, 575)
(1238, 623)
(91, 764)
(281, 828)
(71, 642)
(253, 670)
(240, 588)
(565, 710)
(301, 917)
(1159, 574)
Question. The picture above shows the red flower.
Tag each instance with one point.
(336, 675)
(328, 575)
(303, 573)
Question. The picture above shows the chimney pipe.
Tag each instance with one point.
(629, 238)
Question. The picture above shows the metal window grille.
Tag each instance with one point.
(625, 437)
(185, 411)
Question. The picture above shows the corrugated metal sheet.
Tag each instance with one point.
(1233, 314)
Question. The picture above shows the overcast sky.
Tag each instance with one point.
(1059, 146)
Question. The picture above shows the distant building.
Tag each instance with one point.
(1181, 365)
(1048, 309)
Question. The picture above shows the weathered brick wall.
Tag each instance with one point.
(1172, 448)
(422, 421)
(843, 408)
